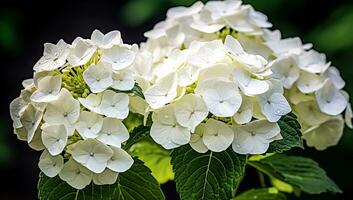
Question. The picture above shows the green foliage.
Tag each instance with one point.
(263, 194)
(156, 158)
(290, 131)
(300, 172)
(136, 183)
(137, 134)
(207, 176)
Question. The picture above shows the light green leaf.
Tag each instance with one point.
(301, 172)
(207, 176)
(263, 194)
(156, 158)
(290, 131)
(136, 183)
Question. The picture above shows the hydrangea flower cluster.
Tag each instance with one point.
(74, 106)
(220, 62)
(212, 75)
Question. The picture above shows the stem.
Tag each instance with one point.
(262, 179)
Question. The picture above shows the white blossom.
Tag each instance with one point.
(115, 105)
(50, 165)
(113, 132)
(120, 161)
(106, 177)
(254, 137)
(106, 41)
(119, 56)
(330, 100)
(89, 124)
(81, 53)
(75, 174)
(48, 89)
(92, 154)
(98, 77)
(196, 141)
(54, 137)
(217, 135)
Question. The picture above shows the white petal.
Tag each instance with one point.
(120, 57)
(75, 174)
(115, 105)
(348, 115)
(285, 70)
(181, 11)
(334, 75)
(163, 92)
(196, 141)
(98, 77)
(248, 84)
(217, 136)
(245, 112)
(17, 106)
(106, 41)
(274, 106)
(120, 161)
(106, 177)
(330, 100)
(113, 132)
(54, 138)
(324, 135)
(190, 111)
(92, 102)
(30, 119)
(308, 83)
(309, 112)
(222, 98)
(50, 165)
(123, 80)
(92, 154)
(48, 89)
(81, 53)
(89, 124)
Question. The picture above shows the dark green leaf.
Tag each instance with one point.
(207, 176)
(136, 135)
(290, 131)
(263, 194)
(136, 183)
(301, 172)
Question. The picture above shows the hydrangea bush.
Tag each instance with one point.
(211, 91)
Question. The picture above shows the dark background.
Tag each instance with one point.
(26, 25)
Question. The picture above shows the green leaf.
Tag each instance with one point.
(156, 158)
(207, 176)
(136, 183)
(137, 134)
(301, 172)
(290, 131)
(263, 194)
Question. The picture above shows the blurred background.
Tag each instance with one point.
(26, 25)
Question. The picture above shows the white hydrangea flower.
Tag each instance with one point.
(162, 92)
(106, 177)
(106, 41)
(50, 165)
(308, 82)
(166, 130)
(123, 80)
(81, 52)
(253, 63)
(245, 112)
(75, 174)
(196, 141)
(204, 23)
(222, 9)
(113, 132)
(30, 119)
(181, 11)
(54, 56)
(254, 137)
(89, 124)
(217, 135)
(92, 154)
(207, 53)
(98, 77)
(250, 85)
(119, 56)
(334, 76)
(17, 106)
(285, 69)
(222, 98)
(330, 100)
(54, 137)
(115, 105)
(313, 62)
(92, 102)
(324, 135)
(273, 104)
(190, 111)
(48, 89)
(120, 161)
(310, 113)
(64, 110)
